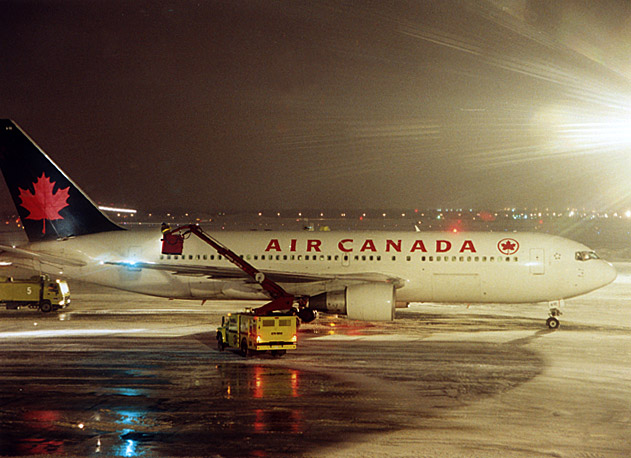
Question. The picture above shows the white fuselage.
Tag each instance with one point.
(430, 266)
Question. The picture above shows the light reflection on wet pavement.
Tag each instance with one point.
(139, 396)
(158, 398)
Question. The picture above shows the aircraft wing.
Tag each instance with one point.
(234, 273)
(43, 257)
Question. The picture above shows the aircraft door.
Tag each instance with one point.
(537, 261)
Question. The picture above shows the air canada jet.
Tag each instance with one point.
(358, 274)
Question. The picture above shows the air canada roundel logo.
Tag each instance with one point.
(508, 246)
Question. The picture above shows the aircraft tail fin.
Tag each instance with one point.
(50, 205)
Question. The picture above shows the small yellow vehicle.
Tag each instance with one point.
(252, 333)
(35, 292)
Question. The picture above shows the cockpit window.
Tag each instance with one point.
(586, 255)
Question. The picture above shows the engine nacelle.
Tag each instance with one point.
(369, 302)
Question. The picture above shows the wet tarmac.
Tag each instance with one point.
(120, 374)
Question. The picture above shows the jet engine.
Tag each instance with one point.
(368, 301)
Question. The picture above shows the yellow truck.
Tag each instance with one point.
(36, 292)
(252, 333)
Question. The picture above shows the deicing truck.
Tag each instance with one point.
(36, 292)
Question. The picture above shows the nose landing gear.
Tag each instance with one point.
(553, 321)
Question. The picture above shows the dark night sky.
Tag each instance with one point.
(249, 105)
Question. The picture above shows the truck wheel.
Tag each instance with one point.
(244, 348)
(46, 306)
(220, 344)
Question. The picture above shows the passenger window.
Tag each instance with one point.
(408, 258)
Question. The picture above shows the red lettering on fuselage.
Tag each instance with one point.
(341, 246)
(314, 245)
(273, 244)
(368, 245)
(468, 246)
(396, 246)
(418, 245)
(346, 246)
(442, 246)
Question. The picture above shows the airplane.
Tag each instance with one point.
(362, 275)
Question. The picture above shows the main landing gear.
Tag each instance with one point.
(306, 315)
(555, 311)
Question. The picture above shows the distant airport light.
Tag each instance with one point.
(117, 210)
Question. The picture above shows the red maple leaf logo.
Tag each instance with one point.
(44, 204)
(508, 246)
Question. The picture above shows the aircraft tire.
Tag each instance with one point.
(553, 322)
(306, 315)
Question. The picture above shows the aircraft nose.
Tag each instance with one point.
(608, 273)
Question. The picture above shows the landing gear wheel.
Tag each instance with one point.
(306, 315)
(552, 322)
(46, 307)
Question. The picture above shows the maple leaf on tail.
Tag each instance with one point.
(43, 203)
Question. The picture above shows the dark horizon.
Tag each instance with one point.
(280, 105)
